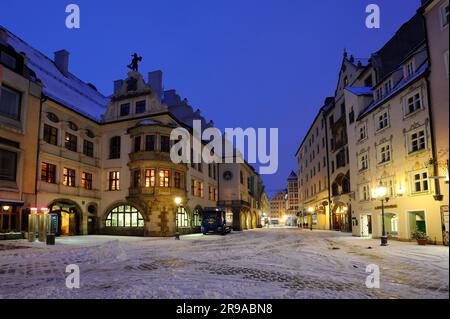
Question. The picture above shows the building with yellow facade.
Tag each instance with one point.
(20, 103)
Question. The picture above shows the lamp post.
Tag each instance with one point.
(178, 203)
(380, 194)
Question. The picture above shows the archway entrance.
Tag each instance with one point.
(341, 217)
(69, 217)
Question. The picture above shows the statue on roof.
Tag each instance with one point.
(134, 62)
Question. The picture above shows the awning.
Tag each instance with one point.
(6, 202)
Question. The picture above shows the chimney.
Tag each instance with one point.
(62, 61)
(118, 85)
(155, 82)
(3, 35)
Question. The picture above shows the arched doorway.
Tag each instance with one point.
(340, 217)
(69, 217)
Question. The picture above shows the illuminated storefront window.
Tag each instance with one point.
(124, 216)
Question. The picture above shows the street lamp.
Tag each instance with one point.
(380, 194)
(178, 201)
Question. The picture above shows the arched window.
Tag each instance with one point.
(124, 216)
(182, 218)
(73, 126)
(196, 218)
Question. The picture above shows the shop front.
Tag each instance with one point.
(10, 216)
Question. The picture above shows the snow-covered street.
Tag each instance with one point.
(264, 263)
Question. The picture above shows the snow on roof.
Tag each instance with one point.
(68, 91)
(400, 86)
(359, 90)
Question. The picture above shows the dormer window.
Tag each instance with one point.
(140, 107)
(379, 93)
(388, 87)
(125, 109)
(410, 69)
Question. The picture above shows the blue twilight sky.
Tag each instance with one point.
(244, 63)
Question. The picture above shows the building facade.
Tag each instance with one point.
(387, 127)
(103, 164)
(292, 197)
(392, 142)
(277, 205)
(436, 15)
(241, 194)
(339, 169)
(20, 102)
(313, 175)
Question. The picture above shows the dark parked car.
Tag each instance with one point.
(216, 221)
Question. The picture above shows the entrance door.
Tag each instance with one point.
(369, 224)
(91, 225)
(68, 220)
(417, 222)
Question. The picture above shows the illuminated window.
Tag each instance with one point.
(48, 173)
(196, 218)
(149, 178)
(124, 216)
(164, 178)
(200, 189)
(69, 177)
(182, 218)
(114, 181)
(86, 180)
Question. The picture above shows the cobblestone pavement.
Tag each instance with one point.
(266, 263)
